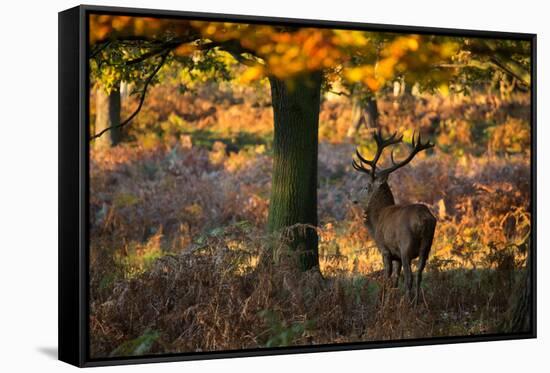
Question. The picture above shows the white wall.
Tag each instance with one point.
(28, 187)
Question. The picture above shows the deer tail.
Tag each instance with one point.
(428, 231)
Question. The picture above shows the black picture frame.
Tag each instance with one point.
(74, 181)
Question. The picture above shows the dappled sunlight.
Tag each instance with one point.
(182, 258)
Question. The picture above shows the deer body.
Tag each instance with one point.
(401, 232)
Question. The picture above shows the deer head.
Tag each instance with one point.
(376, 183)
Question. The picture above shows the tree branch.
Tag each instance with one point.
(231, 46)
(339, 93)
(164, 48)
(512, 68)
(100, 48)
(501, 57)
(141, 100)
(234, 48)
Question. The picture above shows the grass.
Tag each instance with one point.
(214, 297)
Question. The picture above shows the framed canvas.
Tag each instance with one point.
(239, 185)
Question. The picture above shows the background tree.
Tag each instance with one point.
(107, 116)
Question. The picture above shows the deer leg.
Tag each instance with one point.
(421, 265)
(387, 266)
(397, 272)
(408, 275)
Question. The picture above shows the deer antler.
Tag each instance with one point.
(417, 146)
(381, 143)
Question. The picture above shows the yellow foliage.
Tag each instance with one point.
(444, 89)
(252, 74)
(350, 38)
(385, 68)
(358, 74)
(513, 136)
(217, 155)
(194, 209)
(185, 50)
(149, 141)
(125, 200)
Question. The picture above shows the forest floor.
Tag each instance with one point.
(178, 215)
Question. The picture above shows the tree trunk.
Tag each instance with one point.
(296, 104)
(407, 89)
(372, 112)
(107, 115)
(364, 111)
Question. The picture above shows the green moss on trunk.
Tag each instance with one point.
(296, 104)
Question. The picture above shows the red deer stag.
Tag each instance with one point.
(401, 232)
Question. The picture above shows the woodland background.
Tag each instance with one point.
(180, 196)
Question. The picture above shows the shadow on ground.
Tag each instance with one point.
(50, 352)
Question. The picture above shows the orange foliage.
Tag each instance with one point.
(104, 27)
(281, 52)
